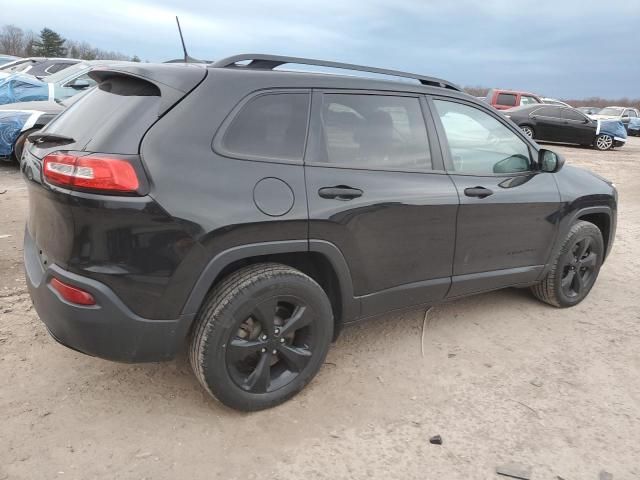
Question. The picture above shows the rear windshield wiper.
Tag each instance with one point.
(49, 139)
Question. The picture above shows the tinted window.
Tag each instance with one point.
(525, 100)
(506, 99)
(569, 114)
(56, 67)
(84, 78)
(479, 143)
(375, 131)
(110, 118)
(553, 112)
(269, 126)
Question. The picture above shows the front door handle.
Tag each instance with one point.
(479, 192)
(340, 192)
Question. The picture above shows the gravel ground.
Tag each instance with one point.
(503, 379)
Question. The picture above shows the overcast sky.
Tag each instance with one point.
(560, 48)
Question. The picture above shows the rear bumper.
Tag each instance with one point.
(108, 329)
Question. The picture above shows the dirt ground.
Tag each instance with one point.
(503, 379)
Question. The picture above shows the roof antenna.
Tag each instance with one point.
(187, 58)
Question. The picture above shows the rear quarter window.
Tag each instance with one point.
(270, 126)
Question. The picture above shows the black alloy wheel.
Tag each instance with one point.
(262, 335)
(579, 269)
(575, 268)
(272, 345)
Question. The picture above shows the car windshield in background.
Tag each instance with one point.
(62, 75)
(613, 112)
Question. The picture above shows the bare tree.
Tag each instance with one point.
(11, 40)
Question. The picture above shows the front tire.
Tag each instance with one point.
(262, 335)
(575, 268)
(528, 131)
(603, 142)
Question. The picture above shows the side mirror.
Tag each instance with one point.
(549, 161)
(79, 84)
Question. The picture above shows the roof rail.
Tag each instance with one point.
(269, 62)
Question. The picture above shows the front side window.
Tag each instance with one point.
(551, 112)
(526, 100)
(479, 144)
(506, 99)
(632, 113)
(373, 131)
(569, 114)
(270, 126)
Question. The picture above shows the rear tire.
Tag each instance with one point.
(18, 148)
(575, 268)
(603, 142)
(262, 335)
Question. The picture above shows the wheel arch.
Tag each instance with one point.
(602, 217)
(319, 259)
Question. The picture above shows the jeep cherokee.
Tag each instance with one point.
(250, 212)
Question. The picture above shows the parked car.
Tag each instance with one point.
(589, 110)
(624, 114)
(554, 101)
(634, 124)
(18, 121)
(38, 67)
(58, 86)
(4, 59)
(554, 123)
(221, 207)
(505, 99)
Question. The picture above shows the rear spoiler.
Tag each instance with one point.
(173, 81)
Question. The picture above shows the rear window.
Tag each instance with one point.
(111, 118)
(508, 99)
(271, 126)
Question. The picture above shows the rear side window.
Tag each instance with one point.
(508, 99)
(373, 131)
(270, 126)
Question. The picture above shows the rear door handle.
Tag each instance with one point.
(340, 192)
(479, 192)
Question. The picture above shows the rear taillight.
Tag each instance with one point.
(72, 294)
(91, 172)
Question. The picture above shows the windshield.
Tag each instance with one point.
(62, 75)
(611, 111)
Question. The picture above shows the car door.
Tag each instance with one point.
(626, 117)
(507, 221)
(577, 127)
(377, 190)
(548, 123)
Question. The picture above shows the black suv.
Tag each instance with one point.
(251, 212)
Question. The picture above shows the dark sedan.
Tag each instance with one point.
(556, 123)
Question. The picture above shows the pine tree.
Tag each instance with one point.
(135, 58)
(50, 44)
